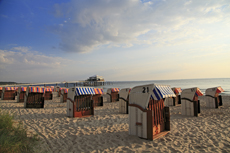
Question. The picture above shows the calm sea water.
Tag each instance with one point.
(203, 84)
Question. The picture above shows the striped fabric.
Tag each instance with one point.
(66, 90)
(98, 91)
(23, 88)
(115, 89)
(163, 92)
(49, 89)
(84, 91)
(219, 90)
(37, 89)
(198, 92)
(177, 90)
(10, 88)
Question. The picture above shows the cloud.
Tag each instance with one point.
(22, 63)
(126, 23)
(23, 58)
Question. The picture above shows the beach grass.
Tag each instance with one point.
(13, 137)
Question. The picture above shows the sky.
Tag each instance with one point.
(121, 40)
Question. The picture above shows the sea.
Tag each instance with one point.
(202, 84)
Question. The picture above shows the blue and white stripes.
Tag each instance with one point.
(161, 91)
(84, 91)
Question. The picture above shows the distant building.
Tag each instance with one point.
(96, 78)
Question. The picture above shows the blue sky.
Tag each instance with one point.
(46, 41)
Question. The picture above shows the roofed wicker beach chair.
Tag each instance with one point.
(63, 95)
(148, 117)
(173, 101)
(21, 94)
(113, 92)
(212, 97)
(80, 102)
(34, 97)
(124, 100)
(190, 105)
(8, 93)
(48, 93)
(98, 98)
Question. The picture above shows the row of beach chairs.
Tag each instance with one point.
(148, 110)
(147, 105)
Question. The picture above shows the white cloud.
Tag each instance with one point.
(121, 23)
(22, 63)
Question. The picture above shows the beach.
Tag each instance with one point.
(108, 130)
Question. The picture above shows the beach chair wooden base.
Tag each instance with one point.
(189, 107)
(152, 123)
(82, 106)
(213, 102)
(35, 105)
(97, 100)
(21, 96)
(9, 95)
(114, 97)
(85, 113)
(48, 95)
(34, 100)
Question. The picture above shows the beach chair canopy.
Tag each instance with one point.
(98, 91)
(140, 95)
(176, 90)
(213, 91)
(23, 88)
(115, 89)
(110, 90)
(84, 91)
(36, 89)
(49, 89)
(190, 92)
(66, 90)
(11, 88)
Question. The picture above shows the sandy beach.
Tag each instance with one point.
(107, 130)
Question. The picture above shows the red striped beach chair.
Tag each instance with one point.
(113, 92)
(80, 102)
(212, 97)
(97, 98)
(124, 100)
(190, 105)
(173, 101)
(48, 93)
(148, 117)
(8, 93)
(34, 97)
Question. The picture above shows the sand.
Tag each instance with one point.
(107, 130)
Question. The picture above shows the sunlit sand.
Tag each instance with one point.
(107, 130)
